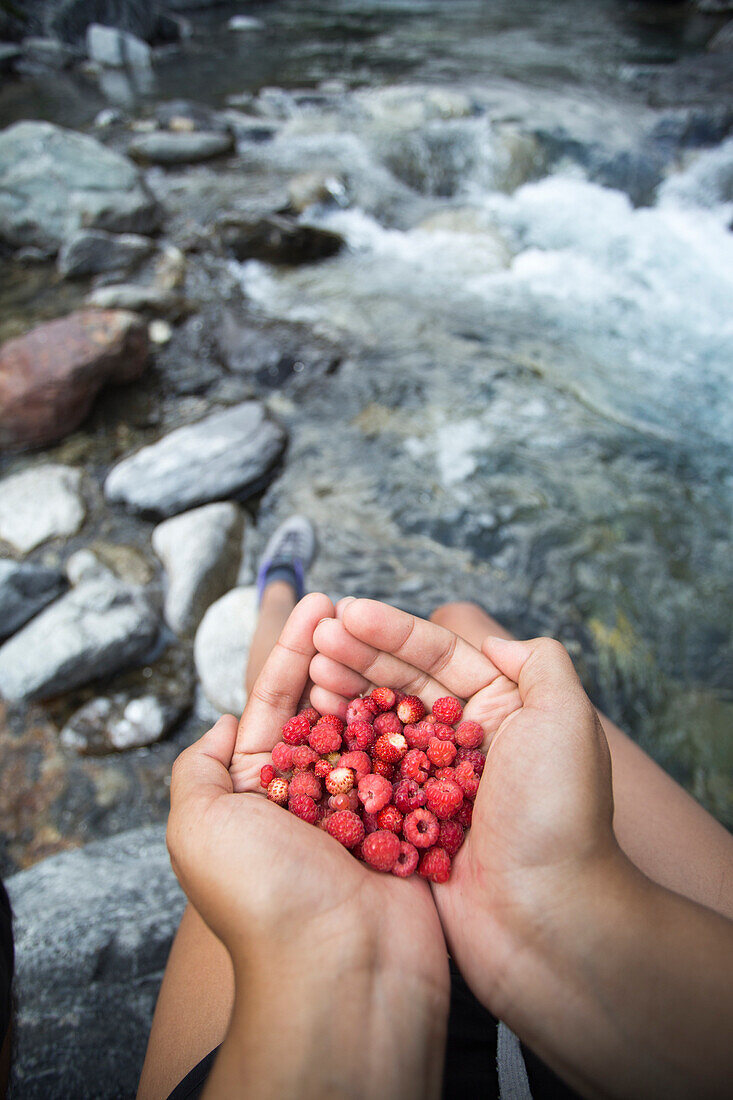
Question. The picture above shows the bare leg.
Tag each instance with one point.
(664, 831)
(197, 994)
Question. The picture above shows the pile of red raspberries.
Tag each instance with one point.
(394, 784)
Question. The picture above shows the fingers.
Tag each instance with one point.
(328, 702)
(201, 772)
(337, 678)
(279, 687)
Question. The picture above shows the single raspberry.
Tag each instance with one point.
(415, 766)
(331, 720)
(322, 768)
(375, 792)
(435, 865)
(390, 819)
(445, 773)
(475, 758)
(464, 814)
(370, 822)
(387, 723)
(296, 730)
(345, 827)
(282, 756)
(359, 763)
(277, 791)
(347, 800)
(385, 698)
(406, 863)
(304, 757)
(451, 837)
(306, 783)
(324, 738)
(390, 747)
(442, 732)
(469, 735)
(408, 795)
(410, 709)
(381, 850)
(359, 735)
(421, 828)
(444, 797)
(361, 708)
(448, 709)
(339, 781)
(441, 753)
(311, 714)
(267, 774)
(467, 779)
(418, 734)
(303, 807)
(381, 767)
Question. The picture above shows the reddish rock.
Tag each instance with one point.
(50, 377)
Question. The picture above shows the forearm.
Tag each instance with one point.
(331, 1022)
(628, 992)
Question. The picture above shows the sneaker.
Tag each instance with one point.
(287, 555)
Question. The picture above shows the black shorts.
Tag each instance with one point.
(6, 962)
(470, 1059)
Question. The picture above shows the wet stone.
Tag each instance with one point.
(171, 148)
(122, 721)
(40, 503)
(277, 240)
(24, 590)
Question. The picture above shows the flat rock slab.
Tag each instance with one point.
(171, 148)
(41, 503)
(50, 376)
(93, 930)
(24, 590)
(221, 648)
(227, 454)
(97, 628)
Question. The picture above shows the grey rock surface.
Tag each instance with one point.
(24, 590)
(52, 181)
(116, 48)
(122, 721)
(68, 20)
(40, 503)
(277, 240)
(93, 929)
(47, 53)
(171, 148)
(98, 627)
(226, 454)
(201, 551)
(91, 251)
(221, 648)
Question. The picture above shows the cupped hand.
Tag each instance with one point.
(543, 814)
(258, 875)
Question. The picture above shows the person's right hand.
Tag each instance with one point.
(542, 825)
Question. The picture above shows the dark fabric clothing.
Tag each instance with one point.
(7, 960)
(470, 1057)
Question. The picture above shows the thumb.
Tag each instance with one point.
(541, 668)
(201, 772)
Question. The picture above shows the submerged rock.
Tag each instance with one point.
(277, 240)
(92, 251)
(24, 590)
(123, 721)
(171, 147)
(41, 503)
(229, 453)
(201, 551)
(50, 377)
(222, 646)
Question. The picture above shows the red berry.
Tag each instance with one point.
(277, 791)
(421, 828)
(361, 708)
(359, 763)
(390, 818)
(442, 732)
(469, 735)
(467, 779)
(448, 709)
(306, 783)
(410, 709)
(339, 781)
(406, 861)
(385, 698)
(303, 807)
(441, 753)
(451, 837)
(475, 758)
(322, 768)
(444, 796)
(311, 714)
(465, 813)
(344, 801)
(375, 792)
(370, 822)
(304, 757)
(415, 766)
(445, 773)
(408, 795)
(435, 865)
(381, 850)
(324, 738)
(296, 730)
(267, 774)
(381, 767)
(359, 735)
(282, 756)
(390, 747)
(418, 734)
(345, 827)
(387, 723)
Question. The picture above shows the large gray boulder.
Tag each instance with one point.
(54, 181)
(93, 929)
(227, 454)
(24, 590)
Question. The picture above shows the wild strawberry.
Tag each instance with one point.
(277, 791)
(415, 766)
(408, 795)
(474, 757)
(322, 768)
(410, 709)
(451, 837)
(359, 763)
(361, 708)
(435, 865)
(324, 738)
(441, 753)
(387, 723)
(339, 781)
(418, 734)
(467, 779)
(448, 709)
(306, 783)
(375, 792)
(311, 714)
(390, 819)
(304, 757)
(442, 732)
(385, 698)
(465, 814)
(390, 747)
(381, 850)
(267, 774)
(282, 756)
(348, 800)
(469, 735)
(359, 735)
(303, 807)
(381, 767)
(421, 828)
(407, 860)
(443, 797)
(345, 827)
(296, 730)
